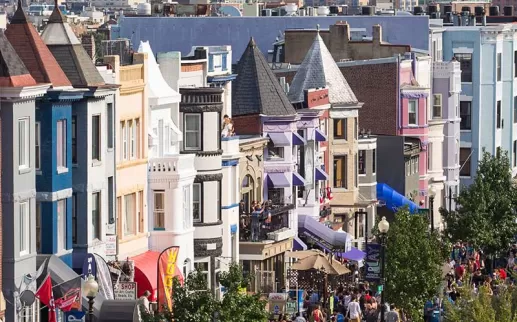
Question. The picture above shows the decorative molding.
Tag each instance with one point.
(132, 89)
(54, 196)
(19, 196)
(208, 177)
(489, 36)
(195, 108)
(29, 92)
(413, 94)
(342, 113)
(200, 247)
(280, 127)
(276, 169)
(204, 153)
(208, 224)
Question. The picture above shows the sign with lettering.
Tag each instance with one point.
(166, 273)
(75, 316)
(111, 245)
(125, 291)
(372, 262)
(317, 97)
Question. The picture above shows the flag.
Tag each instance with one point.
(68, 295)
(44, 294)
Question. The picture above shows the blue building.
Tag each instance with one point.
(488, 99)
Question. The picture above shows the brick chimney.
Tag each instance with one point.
(88, 42)
(376, 41)
(338, 40)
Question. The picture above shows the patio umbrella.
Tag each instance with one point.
(322, 263)
(354, 254)
(303, 253)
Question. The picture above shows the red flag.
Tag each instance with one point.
(44, 294)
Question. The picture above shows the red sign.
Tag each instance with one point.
(167, 271)
(317, 97)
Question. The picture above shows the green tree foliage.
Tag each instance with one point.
(193, 302)
(414, 260)
(486, 212)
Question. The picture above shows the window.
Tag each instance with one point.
(61, 224)
(167, 139)
(247, 192)
(129, 215)
(132, 137)
(362, 162)
(412, 112)
(429, 155)
(465, 162)
(196, 201)
(159, 210)
(192, 131)
(61, 144)
(37, 145)
(24, 229)
(514, 154)
(356, 179)
(340, 171)
(437, 105)
(123, 134)
(111, 201)
(498, 114)
(218, 199)
(274, 152)
(374, 160)
(465, 114)
(340, 129)
(74, 218)
(140, 211)
(96, 215)
(499, 62)
(109, 113)
(204, 269)
(465, 61)
(355, 128)
(96, 137)
(23, 143)
(74, 139)
(187, 223)
(137, 138)
(38, 227)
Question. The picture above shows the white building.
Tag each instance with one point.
(171, 174)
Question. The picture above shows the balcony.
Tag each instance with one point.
(274, 230)
(171, 166)
(230, 146)
(201, 95)
(132, 75)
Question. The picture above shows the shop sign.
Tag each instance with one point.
(290, 307)
(372, 262)
(125, 291)
(111, 245)
(166, 272)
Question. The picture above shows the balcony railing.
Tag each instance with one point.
(201, 95)
(170, 165)
(273, 224)
(131, 73)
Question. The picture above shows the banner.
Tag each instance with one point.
(68, 295)
(104, 278)
(44, 294)
(166, 272)
(89, 266)
(372, 262)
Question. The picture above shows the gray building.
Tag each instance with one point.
(18, 92)
(367, 173)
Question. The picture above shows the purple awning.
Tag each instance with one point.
(320, 136)
(353, 254)
(298, 180)
(298, 139)
(298, 244)
(279, 139)
(321, 174)
(277, 180)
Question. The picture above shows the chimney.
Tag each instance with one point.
(114, 62)
(338, 40)
(141, 58)
(377, 34)
(88, 42)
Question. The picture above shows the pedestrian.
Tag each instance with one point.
(392, 315)
(143, 302)
(354, 311)
(317, 315)
(299, 318)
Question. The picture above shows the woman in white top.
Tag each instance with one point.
(354, 311)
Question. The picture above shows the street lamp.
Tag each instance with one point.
(383, 226)
(432, 194)
(90, 290)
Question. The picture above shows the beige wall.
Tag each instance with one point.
(254, 168)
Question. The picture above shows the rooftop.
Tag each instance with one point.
(256, 89)
(13, 72)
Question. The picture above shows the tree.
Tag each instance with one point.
(485, 214)
(414, 260)
(194, 302)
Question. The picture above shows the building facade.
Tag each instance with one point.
(18, 94)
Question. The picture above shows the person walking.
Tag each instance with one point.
(317, 315)
(354, 311)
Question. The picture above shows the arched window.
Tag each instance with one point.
(247, 191)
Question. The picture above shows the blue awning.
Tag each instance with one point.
(279, 139)
(393, 199)
(298, 244)
(298, 180)
(321, 174)
(298, 139)
(353, 254)
(320, 136)
(277, 180)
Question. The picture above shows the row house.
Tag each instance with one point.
(170, 174)
(319, 70)
(214, 194)
(18, 94)
(260, 108)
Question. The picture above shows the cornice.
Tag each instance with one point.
(204, 153)
(208, 177)
(201, 108)
(132, 89)
(14, 93)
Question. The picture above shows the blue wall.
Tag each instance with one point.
(180, 34)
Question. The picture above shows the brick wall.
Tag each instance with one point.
(2, 313)
(191, 67)
(247, 124)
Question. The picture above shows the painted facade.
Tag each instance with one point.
(170, 174)
(488, 101)
(367, 173)
(131, 132)
(18, 94)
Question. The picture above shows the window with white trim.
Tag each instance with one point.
(61, 144)
(132, 139)
(129, 215)
(37, 145)
(123, 138)
(159, 210)
(192, 130)
(61, 224)
(24, 229)
(96, 137)
(437, 105)
(187, 222)
(96, 215)
(196, 202)
(167, 139)
(24, 143)
(412, 112)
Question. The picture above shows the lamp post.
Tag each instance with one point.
(90, 290)
(383, 226)
(432, 194)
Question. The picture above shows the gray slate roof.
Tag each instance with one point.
(69, 52)
(10, 63)
(318, 70)
(256, 89)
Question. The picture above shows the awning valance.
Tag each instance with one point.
(320, 136)
(278, 180)
(298, 180)
(279, 139)
(298, 139)
(321, 175)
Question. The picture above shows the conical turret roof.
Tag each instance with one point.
(318, 70)
(256, 89)
(13, 72)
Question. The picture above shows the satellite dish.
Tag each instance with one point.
(27, 298)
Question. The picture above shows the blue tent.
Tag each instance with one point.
(393, 199)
